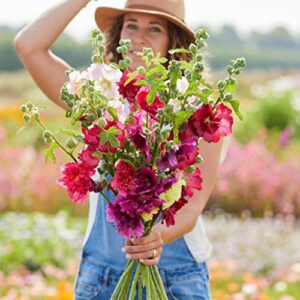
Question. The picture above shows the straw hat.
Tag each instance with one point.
(172, 10)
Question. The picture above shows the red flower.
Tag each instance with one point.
(168, 215)
(130, 90)
(91, 135)
(141, 99)
(86, 156)
(77, 180)
(211, 125)
(121, 137)
(194, 182)
(124, 181)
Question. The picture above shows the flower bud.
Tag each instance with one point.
(228, 97)
(27, 117)
(29, 105)
(199, 159)
(71, 143)
(23, 108)
(193, 48)
(141, 70)
(190, 169)
(221, 85)
(101, 122)
(46, 134)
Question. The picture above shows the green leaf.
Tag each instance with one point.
(113, 112)
(49, 152)
(108, 136)
(235, 104)
(230, 88)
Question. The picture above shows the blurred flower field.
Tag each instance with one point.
(252, 218)
(40, 255)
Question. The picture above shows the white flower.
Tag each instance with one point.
(106, 79)
(176, 104)
(182, 85)
(120, 108)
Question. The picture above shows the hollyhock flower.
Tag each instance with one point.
(187, 153)
(212, 125)
(106, 79)
(179, 156)
(173, 194)
(141, 99)
(139, 139)
(194, 182)
(124, 181)
(168, 215)
(146, 181)
(130, 90)
(176, 104)
(91, 135)
(86, 156)
(140, 203)
(165, 184)
(182, 85)
(128, 225)
(185, 132)
(120, 136)
(77, 180)
(74, 83)
(119, 107)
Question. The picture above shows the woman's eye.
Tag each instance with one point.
(155, 29)
(131, 26)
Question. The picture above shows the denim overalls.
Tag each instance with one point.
(102, 263)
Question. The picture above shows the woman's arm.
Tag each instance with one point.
(33, 45)
(186, 218)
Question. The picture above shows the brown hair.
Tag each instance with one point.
(177, 39)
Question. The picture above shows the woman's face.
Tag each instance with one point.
(145, 30)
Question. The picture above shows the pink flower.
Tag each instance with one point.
(91, 136)
(212, 125)
(77, 180)
(194, 182)
(130, 90)
(86, 156)
(168, 215)
(128, 225)
(141, 99)
(124, 181)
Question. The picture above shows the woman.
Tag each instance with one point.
(180, 250)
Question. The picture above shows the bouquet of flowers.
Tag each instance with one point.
(140, 132)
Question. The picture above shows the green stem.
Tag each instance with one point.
(127, 272)
(148, 284)
(105, 198)
(57, 142)
(134, 282)
(161, 285)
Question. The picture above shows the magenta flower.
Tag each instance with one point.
(124, 181)
(76, 180)
(139, 204)
(179, 156)
(146, 181)
(128, 225)
(212, 125)
(139, 139)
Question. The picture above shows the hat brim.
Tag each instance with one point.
(105, 18)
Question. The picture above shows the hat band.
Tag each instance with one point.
(152, 8)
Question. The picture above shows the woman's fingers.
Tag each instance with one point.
(131, 249)
(146, 249)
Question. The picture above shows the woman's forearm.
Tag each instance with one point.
(43, 32)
